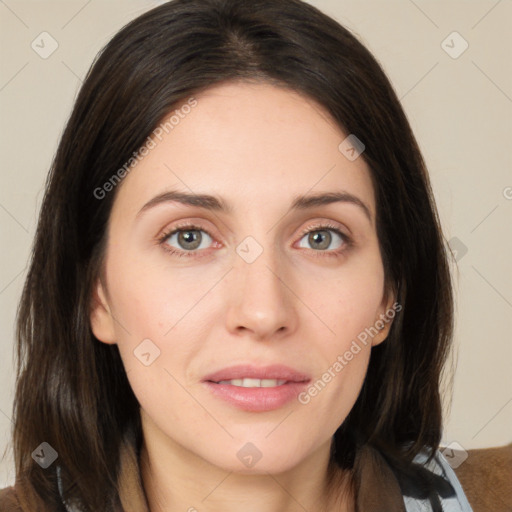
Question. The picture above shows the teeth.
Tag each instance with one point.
(253, 383)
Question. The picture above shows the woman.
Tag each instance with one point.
(239, 294)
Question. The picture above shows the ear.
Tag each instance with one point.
(102, 321)
(386, 313)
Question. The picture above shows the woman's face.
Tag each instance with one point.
(257, 283)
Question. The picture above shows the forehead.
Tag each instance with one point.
(253, 144)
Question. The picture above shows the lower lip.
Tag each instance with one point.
(257, 399)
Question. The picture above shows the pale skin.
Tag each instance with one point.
(257, 147)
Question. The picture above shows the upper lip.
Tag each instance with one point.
(274, 371)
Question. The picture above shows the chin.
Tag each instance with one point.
(253, 458)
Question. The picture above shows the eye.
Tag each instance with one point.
(189, 238)
(321, 237)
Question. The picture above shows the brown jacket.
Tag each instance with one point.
(379, 490)
(486, 476)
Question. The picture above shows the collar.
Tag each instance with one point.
(131, 490)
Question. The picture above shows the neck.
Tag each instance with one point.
(177, 480)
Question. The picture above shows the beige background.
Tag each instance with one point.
(460, 109)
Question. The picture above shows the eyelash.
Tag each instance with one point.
(347, 241)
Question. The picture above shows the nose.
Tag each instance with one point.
(262, 304)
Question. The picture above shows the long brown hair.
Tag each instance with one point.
(72, 391)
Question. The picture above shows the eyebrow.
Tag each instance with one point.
(217, 204)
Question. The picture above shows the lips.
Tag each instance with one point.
(229, 385)
(275, 371)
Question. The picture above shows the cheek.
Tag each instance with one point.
(349, 306)
(152, 298)
(163, 317)
(349, 303)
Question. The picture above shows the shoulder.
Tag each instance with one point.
(453, 501)
(9, 501)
